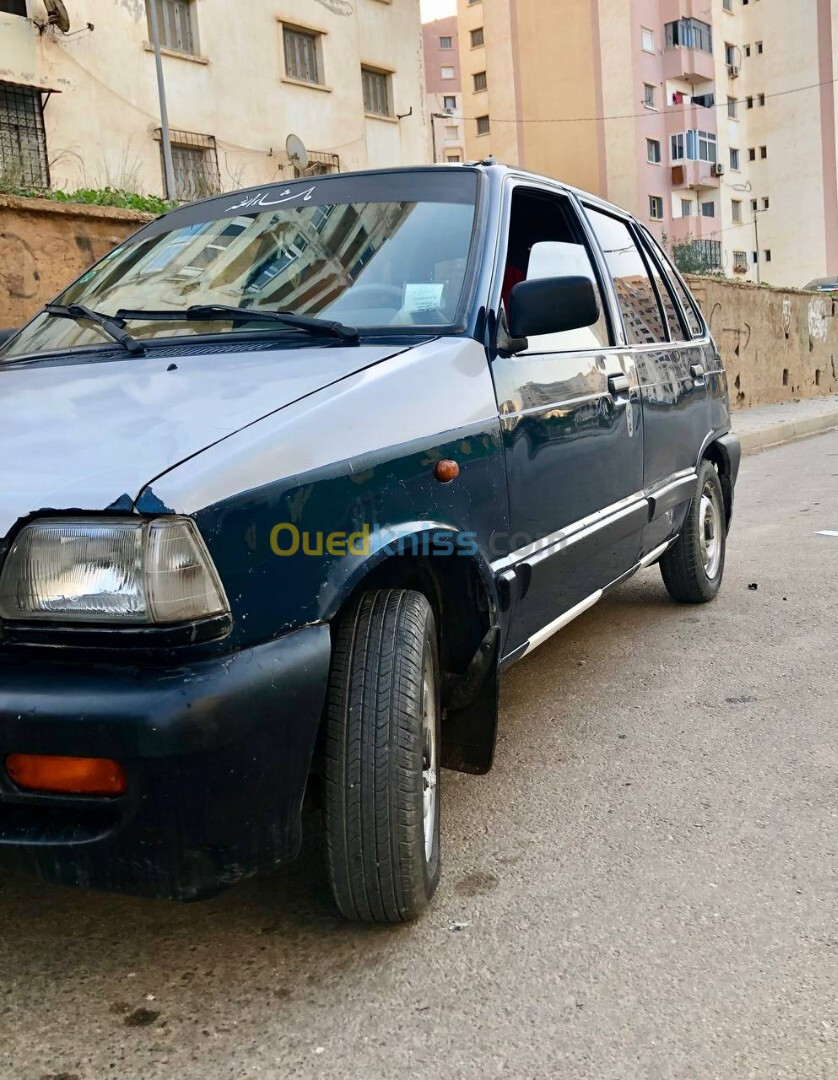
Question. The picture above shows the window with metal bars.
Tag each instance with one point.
(176, 22)
(480, 82)
(23, 141)
(195, 161)
(376, 92)
(301, 55)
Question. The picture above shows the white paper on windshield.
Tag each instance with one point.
(423, 297)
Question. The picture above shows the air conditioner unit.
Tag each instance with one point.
(733, 71)
(718, 169)
(448, 112)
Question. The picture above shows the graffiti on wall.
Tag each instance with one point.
(818, 325)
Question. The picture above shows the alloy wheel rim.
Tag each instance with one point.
(710, 526)
(430, 756)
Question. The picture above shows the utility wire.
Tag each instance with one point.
(647, 111)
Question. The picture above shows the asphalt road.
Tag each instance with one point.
(644, 887)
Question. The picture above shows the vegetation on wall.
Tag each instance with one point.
(107, 196)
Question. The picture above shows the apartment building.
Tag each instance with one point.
(714, 120)
(79, 104)
(444, 101)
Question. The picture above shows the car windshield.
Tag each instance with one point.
(383, 252)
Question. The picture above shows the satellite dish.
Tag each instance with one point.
(57, 15)
(297, 152)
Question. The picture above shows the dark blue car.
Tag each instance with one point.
(290, 477)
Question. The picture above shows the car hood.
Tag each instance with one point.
(90, 436)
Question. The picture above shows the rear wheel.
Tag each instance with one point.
(693, 567)
(382, 758)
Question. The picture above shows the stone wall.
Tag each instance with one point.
(46, 245)
(778, 345)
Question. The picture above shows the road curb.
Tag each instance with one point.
(786, 431)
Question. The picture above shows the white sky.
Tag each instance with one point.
(437, 9)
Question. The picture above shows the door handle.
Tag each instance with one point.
(618, 384)
(697, 371)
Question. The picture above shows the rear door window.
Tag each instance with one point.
(677, 327)
(696, 328)
(642, 315)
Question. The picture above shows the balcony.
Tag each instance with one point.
(680, 62)
(690, 118)
(694, 175)
(696, 227)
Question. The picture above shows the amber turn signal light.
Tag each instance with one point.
(66, 775)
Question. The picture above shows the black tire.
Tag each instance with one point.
(683, 568)
(376, 748)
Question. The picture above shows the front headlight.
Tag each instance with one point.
(110, 571)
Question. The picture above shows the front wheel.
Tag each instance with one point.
(693, 567)
(382, 758)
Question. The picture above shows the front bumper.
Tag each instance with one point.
(217, 754)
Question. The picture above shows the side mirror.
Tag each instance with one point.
(551, 306)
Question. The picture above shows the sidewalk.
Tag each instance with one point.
(772, 425)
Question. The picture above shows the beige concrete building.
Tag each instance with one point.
(80, 108)
(444, 102)
(713, 120)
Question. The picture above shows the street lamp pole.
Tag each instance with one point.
(165, 133)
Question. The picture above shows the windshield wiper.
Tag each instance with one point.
(223, 312)
(111, 324)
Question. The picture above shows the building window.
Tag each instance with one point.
(736, 211)
(656, 207)
(449, 101)
(727, 5)
(653, 151)
(766, 203)
(754, 205)
(649, 91)
(686, 208)
(482, 125)
(647, 39)
(749, 101)
(734, 159)
(689, 33)
(452, 159)
(732, 108)
(14, 7)
(747, 50)
(23, 143)
(377, 94)
(694, 145)
(740, 262)
(767, 254)
(761, 100)
(752, 154)
(451, 131)
(446, 42)
(477, 37)
(760, 49)
(447, 73)
(175, 21)
(302, 59)
(763, 152)
(195, 161)
(480, 83)
(730, 54)
(708, 209)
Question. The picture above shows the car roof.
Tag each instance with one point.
(488, 166)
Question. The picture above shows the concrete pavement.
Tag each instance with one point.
(644, 887)
(774, 425)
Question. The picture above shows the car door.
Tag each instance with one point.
(678, 430)
(674, 398)
(571, 422)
